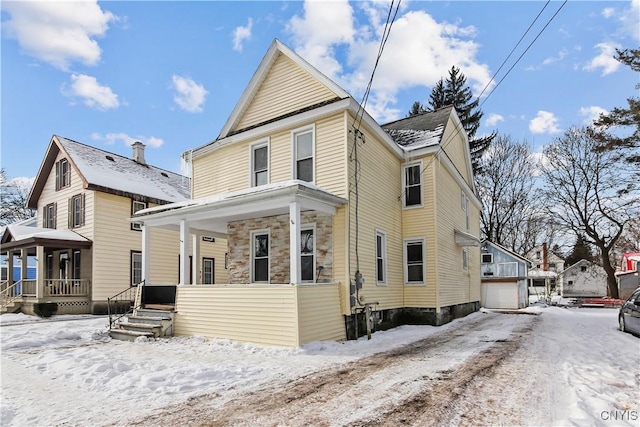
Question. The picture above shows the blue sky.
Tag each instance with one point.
(169, 73)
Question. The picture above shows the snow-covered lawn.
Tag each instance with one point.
(67, 371)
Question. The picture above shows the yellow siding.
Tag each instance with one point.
(286, 88)
(331, 155)
(319, 312)
(252, 314)
(456, 149)
(340, 266)
(378, 209)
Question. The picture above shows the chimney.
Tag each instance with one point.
(545, 257)
(138, 152)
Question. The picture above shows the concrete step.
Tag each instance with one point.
(155, 330)
(125, 335)
(146, 312)
(153, 320)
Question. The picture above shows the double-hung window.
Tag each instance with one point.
(412, 185)
(303, 154)
(76, 265)
(136, 267)
(49, 216)
(259, 164)
(76, 211)
(135, 207)
(260, 256)
(381, 257)
(414, 256)
(63, 174)
(465, 208)
(307, 255)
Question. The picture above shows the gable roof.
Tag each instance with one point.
(582, 262)
(16, 236)
(505, 250)
(419, 131)
(276, 49)
(111, 173)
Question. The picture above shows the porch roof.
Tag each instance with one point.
(211, 214)
(21, 236)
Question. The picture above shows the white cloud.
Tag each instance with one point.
(418, 53)
(494, 119)
(241, 34)
(93, 94)
(58, 32)
(591, 113)
(544, 122)
(608, 12)
(112, 138)
(605, 59)
(190, 95)
(561, 55)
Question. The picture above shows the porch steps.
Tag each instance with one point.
(10, 307)
(145, 322)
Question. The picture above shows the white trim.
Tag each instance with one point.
(483, 254)
(266, 142)
(504, 265)
(204, 261)
(294, 150)
(405, 166)
(383, 235)
(254, 233)
(424, 261)
(312, 227)
(465, 259)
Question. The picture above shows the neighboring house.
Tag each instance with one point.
(327, 215)
(543, 274)
(629, 274)
(504, 277)
(584, 279)
(86, 247)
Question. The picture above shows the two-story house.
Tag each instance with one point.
(330, 218)
(86, 247)
(544, 278)
(504, 277)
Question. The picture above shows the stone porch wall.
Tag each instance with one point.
(239, 235)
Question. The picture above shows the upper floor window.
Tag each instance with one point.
(465, 208)
(76, 211)
(49, 216)
(259, 164)
(508, 269)
(412, 185)
(135, 207)
(63, 174)
(303, 154)
(381, 257)
(487, 258)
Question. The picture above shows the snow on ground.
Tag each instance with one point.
(67, 371)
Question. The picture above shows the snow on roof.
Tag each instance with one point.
(22, 232)
(419, 131)
(412, 139)
(108, 170)
(541, 274)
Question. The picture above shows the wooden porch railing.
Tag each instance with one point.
(10, 293)
(66, 287)
(29, 287)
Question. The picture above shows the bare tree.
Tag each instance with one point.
(512, 214)
(590, 193)
(13, 199)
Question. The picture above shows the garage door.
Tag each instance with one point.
(499, 295)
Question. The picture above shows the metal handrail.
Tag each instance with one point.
(8, 294)
(120, 297)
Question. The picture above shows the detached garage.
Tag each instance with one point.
(504, 278)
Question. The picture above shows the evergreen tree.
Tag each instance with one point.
(454, 91)
(581, 250)
(416, 109)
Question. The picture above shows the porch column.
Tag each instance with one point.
(195, 262)
(146, 254)
(184, 252)
(294, 243)
(9, 267)
(41, 270)
(23, 264)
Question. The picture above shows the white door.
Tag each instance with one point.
(499, 295)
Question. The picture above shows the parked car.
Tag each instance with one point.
(629, 317)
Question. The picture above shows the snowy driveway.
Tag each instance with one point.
(566, 366)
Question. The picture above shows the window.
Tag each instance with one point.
(552, 266)
(208, 271)
(303, 147)
(49, 216)
(63, 174)
(412, 185)
(465, 208)
(260, 256)
(381, 257)
(570, 283)
(136, 267)
(465, 259)
(259, 164)
(76, 211)
(76, 265)
(508, 269)
(583, 268)
(487, 258)
(537, 254)
(135, 207)
(414, 261)
(307, 255)
(49, 266)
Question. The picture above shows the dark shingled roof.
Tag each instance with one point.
(422, 130)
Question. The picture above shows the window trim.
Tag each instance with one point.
(252, 172)
(294, 150)
(50, 219)
(76, 264)
(80, 199)
(253, 234)
(465, 208)
(137, 226)
(404, 184)
(504, 264)
(213, 270)
(131, 267)
(465, 259)
(383, 257)
(63, 178)
(405, 242)
(312, 227)
(489, 254)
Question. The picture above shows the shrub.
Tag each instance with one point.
(45, 309)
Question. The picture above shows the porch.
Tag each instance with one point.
(63, 270)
